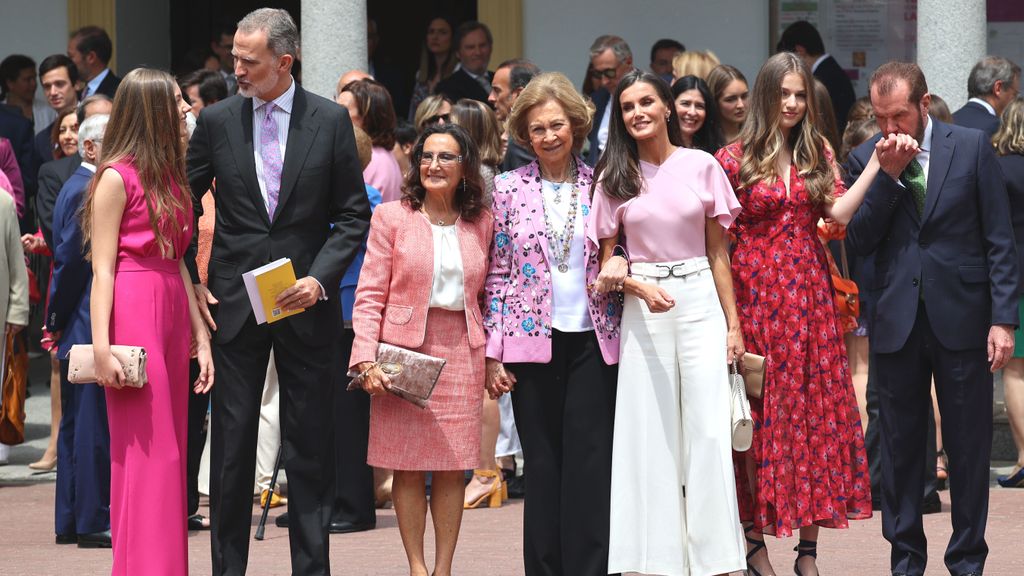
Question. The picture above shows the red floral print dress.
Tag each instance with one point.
(810, 466)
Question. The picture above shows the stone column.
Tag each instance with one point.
(951, 37)
(333, 42)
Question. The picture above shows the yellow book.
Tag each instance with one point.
(265, 284)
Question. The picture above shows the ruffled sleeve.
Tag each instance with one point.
(717, 194)
(605, 219)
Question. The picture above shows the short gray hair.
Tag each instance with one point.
(617, 45)
(282, 35)
(92, 129)
(987, 72)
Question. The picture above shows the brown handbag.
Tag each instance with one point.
(82, 366)
(752, 369)
(15, 379)
(413, 375)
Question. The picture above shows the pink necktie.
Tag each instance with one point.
(270, 153)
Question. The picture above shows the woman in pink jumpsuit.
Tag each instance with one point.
(138, 220)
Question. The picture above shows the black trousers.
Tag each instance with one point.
(565, 412)
(198, 406)
(963, 386)
(353, 477)
(306, 404)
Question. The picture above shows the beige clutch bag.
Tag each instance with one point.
(753, 374)
(82, 368)
(413, 375)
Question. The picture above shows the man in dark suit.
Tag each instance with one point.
(82, 503)
(58, 76)
(993, 83)
(610, 59)
(946, 279)
(473, 43)
(54, 174)
(803, 39)
(90, 49)
(509, 80)
(286, 168)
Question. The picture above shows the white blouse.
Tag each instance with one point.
(447, 290)
(569, 311)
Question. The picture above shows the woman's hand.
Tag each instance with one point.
(734, 349)
(499, 381)
(204, 356)
(374, 380)
(108, 370)
(613, 275)
(656, 297)
(32, 243)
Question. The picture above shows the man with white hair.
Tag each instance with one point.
(82, 504)
(993, 83)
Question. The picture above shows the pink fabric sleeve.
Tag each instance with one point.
(605, 216)
(374, 287)
(717, 194)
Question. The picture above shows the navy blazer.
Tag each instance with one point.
(960, 252)
(600, 98)
(840, 89)
(18, 130)
(52, 177)
(461, 85)
(974, 115)
(68, 310)
(1013, 175)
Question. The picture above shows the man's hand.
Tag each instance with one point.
(895, 151)
(1000, 345)
(303, 294)
(205, 299)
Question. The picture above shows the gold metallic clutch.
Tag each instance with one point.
(413, 375)
(753, 374)
(82, 366)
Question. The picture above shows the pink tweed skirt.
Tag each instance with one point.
(446, 434)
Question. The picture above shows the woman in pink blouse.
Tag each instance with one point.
(673, 507)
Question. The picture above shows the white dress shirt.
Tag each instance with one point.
(447, 291)
(602, 130)
(93, 85)
(283, 117)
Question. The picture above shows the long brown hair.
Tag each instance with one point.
(469, 194)
(762, 139)
(482, 125)
(145, 130)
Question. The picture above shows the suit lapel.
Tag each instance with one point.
(938, 166)
(531, 193)
(301, 133)
(242, 144)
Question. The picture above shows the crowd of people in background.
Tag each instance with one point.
(588, 262)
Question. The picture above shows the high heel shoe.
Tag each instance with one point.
(758, 546)
(1015, 480)
(44, 465)
(491, 498)
(804, 548)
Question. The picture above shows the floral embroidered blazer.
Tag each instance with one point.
(518, 290)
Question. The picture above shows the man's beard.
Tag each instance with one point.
(262, 88)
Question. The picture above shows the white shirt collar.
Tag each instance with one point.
(88, 166)
(984, 105)
(94, 84)
(819, 61)
(926, 141)
(284, 101)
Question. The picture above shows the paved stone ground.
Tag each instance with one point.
(490, 545)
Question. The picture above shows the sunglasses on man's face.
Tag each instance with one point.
(608, 73)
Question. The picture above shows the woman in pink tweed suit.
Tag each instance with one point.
(552, 338)
(420, 288)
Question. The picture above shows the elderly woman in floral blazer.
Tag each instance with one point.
(551, 339)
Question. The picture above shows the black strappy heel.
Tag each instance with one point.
(804, 548)
(758, 546)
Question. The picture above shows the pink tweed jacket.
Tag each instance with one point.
(517, 312)
(393, 294)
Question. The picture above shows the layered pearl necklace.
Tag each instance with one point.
(560, 243)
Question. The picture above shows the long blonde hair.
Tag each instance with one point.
(145, 129)
(762, 139)
(1009, 139)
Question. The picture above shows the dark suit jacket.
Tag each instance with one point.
(108, 86)
(52, 177)
(960, 253)
(1013, 175)
(462, 85)
(974, 115)
(600, 97)
(516, 156)
(321, 185)
(43, 147)
(840, 89)
(18, 130)
(68, 309)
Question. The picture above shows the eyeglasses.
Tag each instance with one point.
(608, 73)
(436, 118)
(443, 159)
